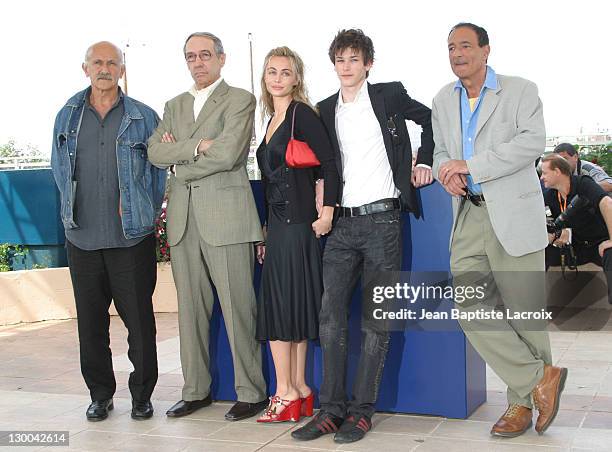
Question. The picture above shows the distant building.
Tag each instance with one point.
(587, 140)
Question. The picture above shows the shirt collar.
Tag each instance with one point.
(88, 95)
(205, 91)
(489, 83)
(361, 95)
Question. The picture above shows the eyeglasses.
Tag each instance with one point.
(204, 55)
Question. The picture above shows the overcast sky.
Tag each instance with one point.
(565, 47)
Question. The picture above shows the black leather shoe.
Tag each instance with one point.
(243, 410)
(185, 407)
(322, 424)
(142, 409)
(353, 429)
(98, 410)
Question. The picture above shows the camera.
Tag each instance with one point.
(576, 205)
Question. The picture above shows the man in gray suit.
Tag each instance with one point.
(488, 132)
(212, 224)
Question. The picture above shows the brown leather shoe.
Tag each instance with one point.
(546, 396)
(514, 422)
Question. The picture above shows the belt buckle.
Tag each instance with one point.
(474, 199)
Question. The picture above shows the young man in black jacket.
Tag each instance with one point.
(367, 127)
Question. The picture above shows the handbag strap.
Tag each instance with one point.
(293, 120)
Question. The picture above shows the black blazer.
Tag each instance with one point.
(392, 107)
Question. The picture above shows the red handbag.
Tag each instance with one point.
(299, 154)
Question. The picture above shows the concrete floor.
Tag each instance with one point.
(41, 388)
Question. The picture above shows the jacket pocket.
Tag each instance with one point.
(61, 140)
(63, 158)
(530, 194)
(140, 149)
(138, 156)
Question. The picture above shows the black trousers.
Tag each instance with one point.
(127, 276)
(359, 246)
(584, 255)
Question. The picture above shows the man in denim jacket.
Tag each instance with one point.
(110, 198)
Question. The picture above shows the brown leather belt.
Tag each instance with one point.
(383, 205)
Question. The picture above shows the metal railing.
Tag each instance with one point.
(18, 163)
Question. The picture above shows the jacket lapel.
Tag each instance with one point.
(211, 104)
(455, 100)
(328, 115)
(185, 116)
(378, 104)
(489, 104)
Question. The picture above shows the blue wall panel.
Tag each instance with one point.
(30, 203)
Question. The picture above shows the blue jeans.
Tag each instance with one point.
(357, 246)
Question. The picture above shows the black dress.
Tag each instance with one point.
(292, 284)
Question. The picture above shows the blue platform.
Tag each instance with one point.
(426, 372)
(31, 204)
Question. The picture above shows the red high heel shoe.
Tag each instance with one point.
(291, 412)
(307, 405)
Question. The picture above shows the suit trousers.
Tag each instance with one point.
(516, 350)
(196, 266)
(127, 276)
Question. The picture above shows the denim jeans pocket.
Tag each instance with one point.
(389, 217)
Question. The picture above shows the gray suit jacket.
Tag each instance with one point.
(217, 181)
(510, 137)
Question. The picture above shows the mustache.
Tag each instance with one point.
(104, 76)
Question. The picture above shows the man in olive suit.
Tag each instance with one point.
(212, 224)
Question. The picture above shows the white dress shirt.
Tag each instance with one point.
(200, 96)
(366, 170)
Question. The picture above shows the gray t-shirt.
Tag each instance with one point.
(596, 172)
(96, 208)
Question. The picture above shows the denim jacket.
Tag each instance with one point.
(141, 185)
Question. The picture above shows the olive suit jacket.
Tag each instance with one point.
(214, 184)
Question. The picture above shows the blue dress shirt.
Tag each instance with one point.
(469, 120)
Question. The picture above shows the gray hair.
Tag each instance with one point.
(117, 50)
(204, 34)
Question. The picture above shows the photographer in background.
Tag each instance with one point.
(591, 226)
(578, 167)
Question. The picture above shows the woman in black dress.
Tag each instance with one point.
(291, 287)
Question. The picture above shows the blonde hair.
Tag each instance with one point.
(299, 93)
(555, 161)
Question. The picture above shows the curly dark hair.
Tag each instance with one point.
(352, 39)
